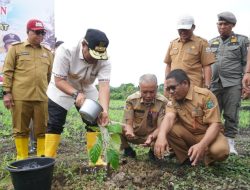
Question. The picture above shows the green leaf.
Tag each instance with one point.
(95, 151)
(113, 158)
(114, 129)
(115, 141)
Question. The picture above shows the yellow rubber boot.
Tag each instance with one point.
(91, 140)
(40, 150)
(51, 144)
(22, 147)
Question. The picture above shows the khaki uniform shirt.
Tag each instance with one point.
(231, 58)
(190, 57)
(70, 65)
(145, 118)
(198, 110)
(27, 71)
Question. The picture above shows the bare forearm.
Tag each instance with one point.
(207, 75)
(104, 95)
(167, 124)
(64, 86)
(167, 71)
(211, 133)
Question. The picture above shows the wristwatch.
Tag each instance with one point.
(75, 94)
(5, 93)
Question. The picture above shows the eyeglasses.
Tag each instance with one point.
(172, 87)
(39, 32)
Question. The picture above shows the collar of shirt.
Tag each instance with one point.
(189, 95)
(147, 104)
(191, 39)
(81, 54)
(27, 43)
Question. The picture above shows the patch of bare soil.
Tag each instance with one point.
(72, 172)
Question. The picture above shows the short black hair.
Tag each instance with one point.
(179, 75)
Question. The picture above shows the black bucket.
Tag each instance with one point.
(32, 173)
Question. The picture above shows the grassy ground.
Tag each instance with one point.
(71, 171)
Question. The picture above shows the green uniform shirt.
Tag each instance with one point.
(231, 56)
(27, 71)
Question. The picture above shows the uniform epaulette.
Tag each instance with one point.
(134, 96)
(174, 40)
(46, 47)
(215, 39)
(201, 90)
(16, 43)
(161, 98)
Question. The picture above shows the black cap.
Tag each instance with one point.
(97, 42)
(228, 17)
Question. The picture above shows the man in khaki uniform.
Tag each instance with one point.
(143, 114)
(27, 69)
(190, 53)
(192, 124)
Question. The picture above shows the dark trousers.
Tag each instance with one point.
(57, 118)
(229, 99)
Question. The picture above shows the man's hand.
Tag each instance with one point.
(246, 86)
(149, 140)
(196, 153)
(161, 146)
(246, 81)
(8, 100)
(80, 99)
(245, 93)
(103, 119)
(129, 131)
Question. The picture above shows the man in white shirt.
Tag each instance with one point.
(74, 72)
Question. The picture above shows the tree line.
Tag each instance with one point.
(116, 93)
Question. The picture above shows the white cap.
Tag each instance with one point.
(185, 22)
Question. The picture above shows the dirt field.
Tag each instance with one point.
(71, 171)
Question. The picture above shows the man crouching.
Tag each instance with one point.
(143, 114)
(192, 123)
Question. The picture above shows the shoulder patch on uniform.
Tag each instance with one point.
(209, 104)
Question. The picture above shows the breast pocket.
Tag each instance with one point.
(173, 53)
(138, 119)
(93, 76)
(23, 62)
(197, 114)
(233, 52)
(191, 56)
(44, 65)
